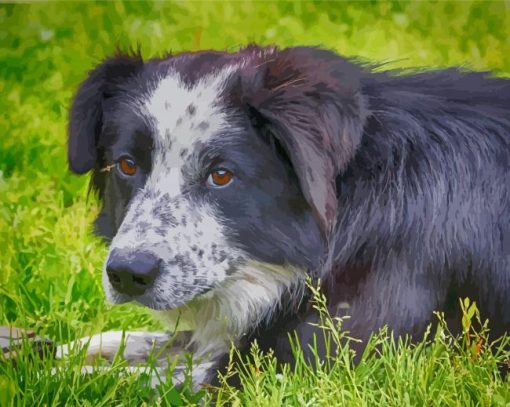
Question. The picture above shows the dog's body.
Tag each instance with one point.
(227, 179)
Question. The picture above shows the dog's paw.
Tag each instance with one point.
(14, 341)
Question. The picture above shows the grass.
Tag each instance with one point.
(50, 263)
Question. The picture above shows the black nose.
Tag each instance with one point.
(132, 273)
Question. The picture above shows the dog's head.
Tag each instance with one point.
(208, 161)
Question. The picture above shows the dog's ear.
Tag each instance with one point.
(85, 119)
(311, 101)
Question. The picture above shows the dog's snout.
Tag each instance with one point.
(132, 273)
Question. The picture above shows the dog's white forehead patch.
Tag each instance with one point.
(183, 117)
(188, 236)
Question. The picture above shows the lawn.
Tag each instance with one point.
(50, 263)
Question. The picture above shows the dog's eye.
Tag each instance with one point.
(220, 178)
(127, 166)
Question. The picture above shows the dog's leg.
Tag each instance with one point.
(136, 346)
(201, 373)
(397, 292)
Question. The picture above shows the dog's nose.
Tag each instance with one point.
(132, 273)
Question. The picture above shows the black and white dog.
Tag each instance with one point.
(228, 178)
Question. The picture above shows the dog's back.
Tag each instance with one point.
(435, 155)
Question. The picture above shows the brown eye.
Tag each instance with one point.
(219, 178)
(127, 166)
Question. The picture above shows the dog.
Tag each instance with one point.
(228, 179)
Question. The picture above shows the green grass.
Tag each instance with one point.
(49, 261)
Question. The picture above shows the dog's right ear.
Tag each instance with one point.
(86, 115)
(311, 101)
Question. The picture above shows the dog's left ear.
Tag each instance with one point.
(86, 114)
(310, 99)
